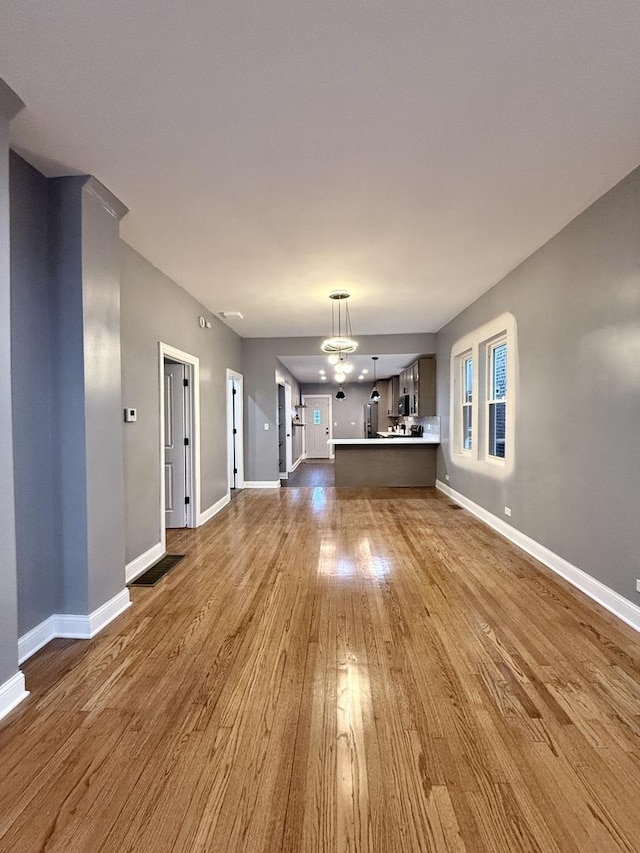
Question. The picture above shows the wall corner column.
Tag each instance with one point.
(12, 689)
(85, 261)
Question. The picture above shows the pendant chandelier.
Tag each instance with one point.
(341, 342)
(375, 394)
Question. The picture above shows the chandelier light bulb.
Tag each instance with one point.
(333, 359)
(340, 376)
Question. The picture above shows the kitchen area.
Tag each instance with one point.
(391, 441)
(401, 433)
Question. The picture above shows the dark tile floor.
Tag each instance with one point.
(312, 472)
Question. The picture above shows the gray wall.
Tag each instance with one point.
(576, 480)
(38, 553)
(88, 477)
(70, 486)
(153, 309)
(8, 573)
(103, 396)
(259, 357)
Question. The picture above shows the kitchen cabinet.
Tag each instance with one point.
(414, 390)
(404, 381)
(418, 380)
(423, 401)
(393, 392)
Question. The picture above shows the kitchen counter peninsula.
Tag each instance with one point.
(392, 461)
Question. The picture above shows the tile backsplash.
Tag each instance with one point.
(431, 426)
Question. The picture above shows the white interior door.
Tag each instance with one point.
(318, 427)
(175, 451)
(234, 430)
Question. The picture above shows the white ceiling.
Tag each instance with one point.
(306, 368)
(269, 152)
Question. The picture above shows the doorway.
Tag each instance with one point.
(179, 439)
(318, 427)
(177, 436)
(235, 433)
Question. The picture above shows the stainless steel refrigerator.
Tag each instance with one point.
(371, 420)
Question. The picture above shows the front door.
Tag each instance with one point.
(175, 450)
(317, 428)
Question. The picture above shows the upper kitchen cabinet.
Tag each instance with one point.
(423, 397)
(393, 391)
(418, 382)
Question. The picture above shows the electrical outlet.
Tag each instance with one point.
(266, 426)
(446, 476)
(638, 585)
(507, 511)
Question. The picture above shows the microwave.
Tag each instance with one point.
(403, 404)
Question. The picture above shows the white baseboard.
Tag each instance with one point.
(86, 627)
(615, 603)
(72, 626)
(36, 638)
(284, 476)
(262, 484)
(298, 461)
(208, 514)
(138, 566)
(12, 692)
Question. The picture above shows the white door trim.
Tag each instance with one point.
(289, 426)
(328, 397)
(239, 378)
(193, 427)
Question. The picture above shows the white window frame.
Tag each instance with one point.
(463, 359)
(479, 345)
(491, 346)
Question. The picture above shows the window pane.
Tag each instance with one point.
(497, 429)
(466, 427)
(468, 380)
(499, 372)
(316, 417)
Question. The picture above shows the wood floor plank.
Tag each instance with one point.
(334, 671)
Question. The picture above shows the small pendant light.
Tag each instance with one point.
(340, 395)
(375, 394)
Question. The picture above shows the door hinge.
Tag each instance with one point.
(185, 382)
(235, 470)
(187, 500)
(233, 391)
(235, 431)
(186, 442)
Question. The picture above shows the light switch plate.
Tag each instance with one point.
(130, 416)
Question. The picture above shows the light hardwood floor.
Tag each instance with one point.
(334, 670)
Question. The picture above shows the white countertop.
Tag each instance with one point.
(389, 442)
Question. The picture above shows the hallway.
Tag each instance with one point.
(334, 670)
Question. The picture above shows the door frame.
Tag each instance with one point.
(192, 413)
(328, 397)
(289, 423)
(239, 379)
